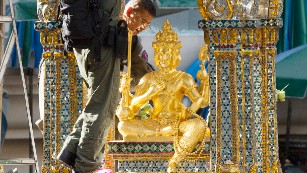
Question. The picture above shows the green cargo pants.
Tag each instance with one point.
(90, 130)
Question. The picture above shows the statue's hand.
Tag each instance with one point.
(202, 74)
(186, 113)
(123, 113)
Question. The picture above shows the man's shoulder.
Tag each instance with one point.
(108, 5)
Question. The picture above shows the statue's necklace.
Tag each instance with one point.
(163, 80)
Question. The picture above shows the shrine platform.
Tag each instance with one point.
(153, 157)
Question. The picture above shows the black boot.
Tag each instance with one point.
(67, 158)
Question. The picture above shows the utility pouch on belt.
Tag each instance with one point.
(110, 40)
(121, 40)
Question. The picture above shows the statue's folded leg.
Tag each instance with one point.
(138, 128)
(192, 131)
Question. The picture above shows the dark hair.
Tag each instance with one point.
(144, 5)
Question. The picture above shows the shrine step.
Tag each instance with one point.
(130, 148)
(153, 157)
(160, 166)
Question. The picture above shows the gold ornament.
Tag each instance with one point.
(239, 9)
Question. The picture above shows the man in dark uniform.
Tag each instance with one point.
(83, 148)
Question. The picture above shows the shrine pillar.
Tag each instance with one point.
(241, 37)
(60, 86)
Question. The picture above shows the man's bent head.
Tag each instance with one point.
(139, 14)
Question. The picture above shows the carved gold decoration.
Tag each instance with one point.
(166, 88)
(213, 9)
(47, 10)
(239, 9)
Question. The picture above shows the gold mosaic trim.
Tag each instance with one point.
(108, 158)
(254, 166)
(274, 9)
(72, 77)
(264, 97)
(234, 111)
(251, 65)
(275, 166)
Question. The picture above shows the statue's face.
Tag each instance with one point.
(166, 58)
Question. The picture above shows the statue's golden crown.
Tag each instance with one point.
(167, 37)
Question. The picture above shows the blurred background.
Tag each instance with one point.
(291, 68)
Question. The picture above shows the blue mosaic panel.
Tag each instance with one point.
(259, 23)
(47, 25)
(52, 136)
(240, 106)
(226, 118)
(247, 118)
(160, 166)
(47, 107)
(213, 120)
(257, 79)
(53, 109)
(139, 148)
(65, 100)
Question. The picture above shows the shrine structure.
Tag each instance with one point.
(241, 39)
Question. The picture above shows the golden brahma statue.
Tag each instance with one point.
(165, 90)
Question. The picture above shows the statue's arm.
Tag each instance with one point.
(139, 100)
(204, 88)
(197, 100)
(144, 92)
(191, 91)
